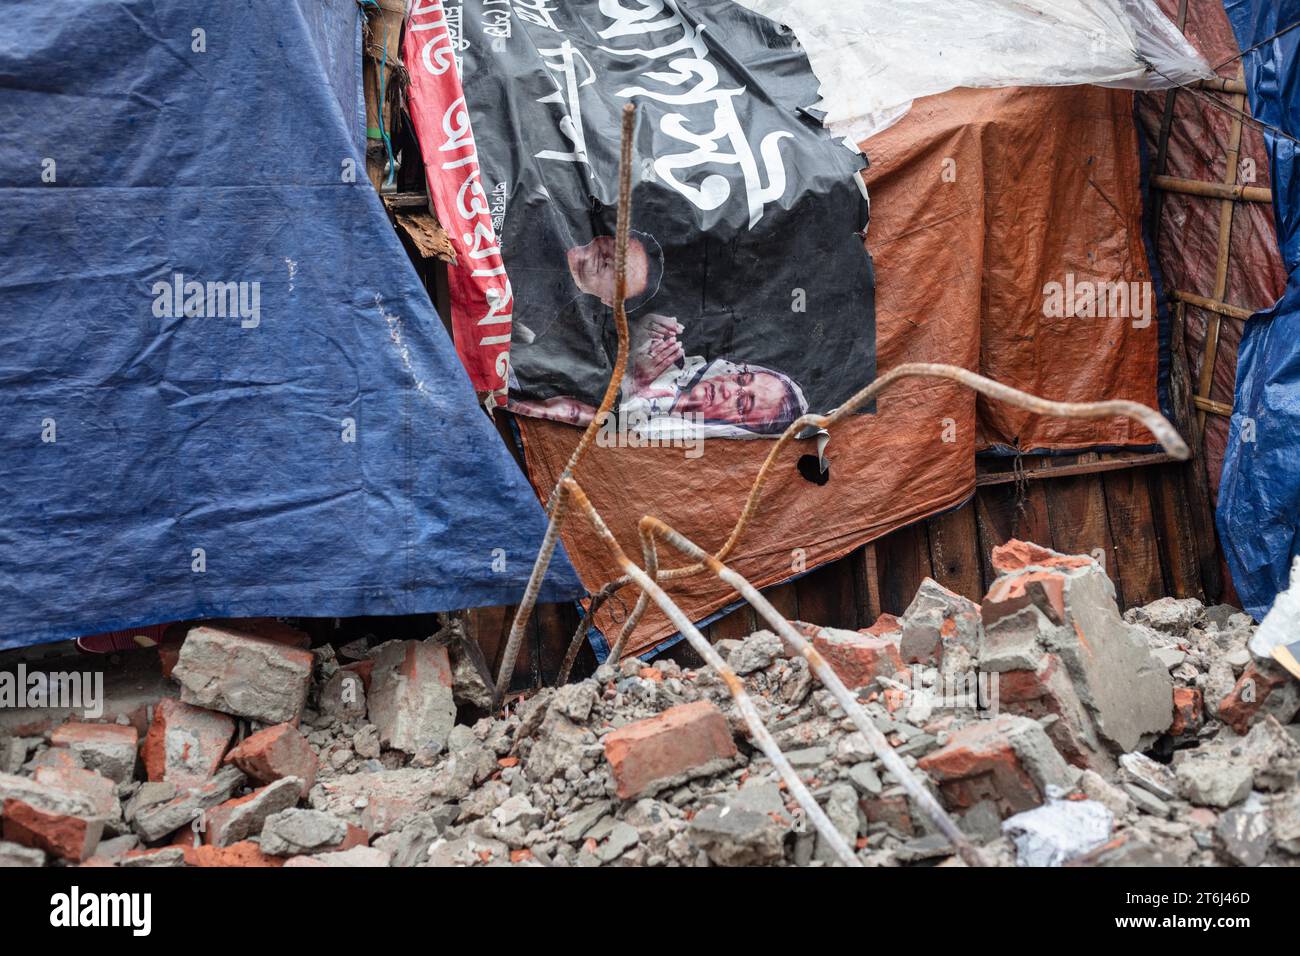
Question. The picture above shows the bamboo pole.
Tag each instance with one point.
(1197, 187)
(1211, 305)
(1205, 384)
(1213, 407)
(1222, 84)
(1097, 467)
(1162, 147)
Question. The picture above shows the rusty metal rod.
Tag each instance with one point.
(642, 602)
(580, 633)
(556, 514)
(744, 703)
(892, 762)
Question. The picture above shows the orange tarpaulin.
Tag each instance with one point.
(980, 200)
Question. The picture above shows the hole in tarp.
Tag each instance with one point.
(811, 469)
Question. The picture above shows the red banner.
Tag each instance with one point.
(482, 303)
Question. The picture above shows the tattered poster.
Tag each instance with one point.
(750, 291)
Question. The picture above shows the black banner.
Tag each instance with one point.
(751, 294)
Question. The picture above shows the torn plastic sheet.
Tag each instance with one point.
(874, 57)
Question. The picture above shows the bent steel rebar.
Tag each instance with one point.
(554, 508)
(653, 527)
(757, 731)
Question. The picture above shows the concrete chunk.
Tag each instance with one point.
(411, 700)
(242, 675)
(236, 820)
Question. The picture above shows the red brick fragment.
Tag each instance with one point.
(185, 744)
(1043, 589)
(279, 751)
(1188, 711)
(1239, 709)
(1016, 555)
(980, 763)
(681, 742)
(70, 837)
(858, 658)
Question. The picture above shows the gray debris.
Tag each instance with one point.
(1214, 782)
(755, 653)
(1246, 832)
(13, 854)
(1148, 802)
(156, 821)
(242, 675)
(231, 825)
(739, 832)
(297, 832)
(1153, 777)
(1174, 615)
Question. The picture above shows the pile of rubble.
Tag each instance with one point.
(1054, 731)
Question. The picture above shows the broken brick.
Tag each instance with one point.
(937, 616)
(158, 820)
(60, 822)
(1016, 555)
(247, 676)
(885, 624)
(1258, 686)
(98, 790)
(1049, 691)
(344, 694)
(60, 758)
(108, 748)
(682, 742)
(411, 695)
(245, 853)
(1044, 590)
(185, 744)
(1125, 689)
(1188, 715)
(892, 809)
(276, 752)
(71, 837)
(1008, 760)
(363, 669)
(858, 659)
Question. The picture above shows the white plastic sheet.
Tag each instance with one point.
(874, 57)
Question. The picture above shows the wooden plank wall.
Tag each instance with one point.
(1135, 519)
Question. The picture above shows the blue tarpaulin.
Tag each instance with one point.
(223, 388)
(1259, 497)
